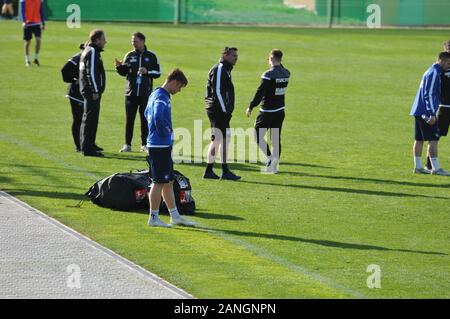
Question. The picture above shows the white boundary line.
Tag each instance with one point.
(121, 260)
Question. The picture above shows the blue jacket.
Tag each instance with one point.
(428, 97)
(159, 117)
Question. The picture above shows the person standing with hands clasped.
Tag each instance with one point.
(219, 108)
(159, 142)
(92, 86)
(140, 67)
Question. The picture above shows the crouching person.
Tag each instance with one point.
(159, 144)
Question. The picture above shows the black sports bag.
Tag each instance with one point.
(129, 191)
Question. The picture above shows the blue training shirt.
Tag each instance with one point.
(159, 117)
(428, 96)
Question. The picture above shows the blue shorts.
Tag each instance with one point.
(160, 164)
(28, 32)
(425, 131)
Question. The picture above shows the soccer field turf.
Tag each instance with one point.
(345, 197)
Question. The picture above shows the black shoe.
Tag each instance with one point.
(98, 148)
(36, 61)
(230, 176)
(210, 175)
(77, 149)
(93, 153)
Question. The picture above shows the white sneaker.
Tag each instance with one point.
(421, 171)
(156, 222)
(125, 148)
(272, 168)
(181, 221)
(27, 64)
(144, 148)
(440, 172)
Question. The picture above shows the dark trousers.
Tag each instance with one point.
(77, 116)
(443, 118)
(132, 104)
(274, 122)
(89, 124)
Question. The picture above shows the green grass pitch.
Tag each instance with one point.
(345, 197)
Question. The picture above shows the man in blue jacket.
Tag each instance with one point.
(159, 144)
(424, 110)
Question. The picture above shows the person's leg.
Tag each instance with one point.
(275, 139)
(77, 116)
(95, 119)
(433, 151)
(417, 150)
(131, 107)
(144, 124)
(37, 50)
(227, 174)
(27, 51)
(156, 165)
(89, 124)
(421, 132)
(261, 127)
(10, 9)
(213, 149)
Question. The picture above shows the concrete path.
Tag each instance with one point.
(42, 258)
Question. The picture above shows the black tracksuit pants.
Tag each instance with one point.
(89, 124)
(132, 104)
(77, 116)
(274, 122)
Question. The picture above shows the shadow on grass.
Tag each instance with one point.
(128, 157)
(325, 243)
(198, 213)
(364, 179)
(232, 166)
(54, 195)
(346, 190)
(306, 165)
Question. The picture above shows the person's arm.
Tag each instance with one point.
(90, 72)
(68, 71)
(260, 92)
(42, 15)
(431, 94)
(122, 67)
(22, 12)
(219, 87)
(162, 125)
(154, 70)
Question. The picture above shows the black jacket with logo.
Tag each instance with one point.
(92, 72)
(131, 64)
(272, 89)
(219, 89)
(70, 73)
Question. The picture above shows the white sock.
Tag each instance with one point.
(27, 58)
(36, 56)
(154, 214)
(435, 163)
(174, 213)
(418, 162)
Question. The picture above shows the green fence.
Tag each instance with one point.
(292, 12)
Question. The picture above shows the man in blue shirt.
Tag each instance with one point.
(159, 144)
(424, 110)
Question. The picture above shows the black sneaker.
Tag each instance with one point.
(210, 175)
(93, 153)
(98, 148)
(36, 61)
(230, 176)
